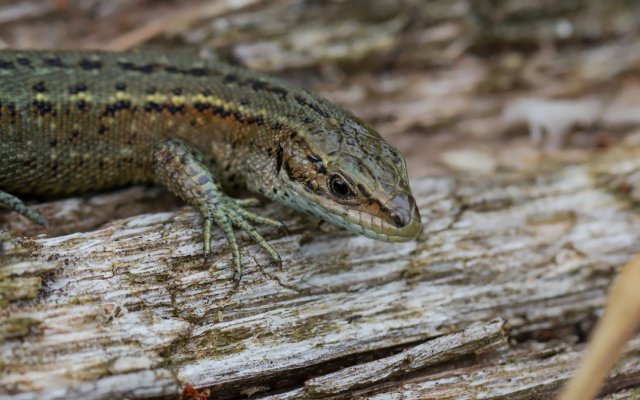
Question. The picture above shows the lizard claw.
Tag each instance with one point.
(228, 213)
(250, 202)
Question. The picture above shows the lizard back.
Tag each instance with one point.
(77, 121)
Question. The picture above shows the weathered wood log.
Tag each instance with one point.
(132, 309)
(114, 303)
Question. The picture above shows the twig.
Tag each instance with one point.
(175, 22)
(29, 9)
(615, 328)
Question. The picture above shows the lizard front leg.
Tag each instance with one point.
(181, 170)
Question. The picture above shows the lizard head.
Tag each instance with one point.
(345, 173)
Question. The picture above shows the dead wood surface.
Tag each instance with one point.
(506, 271)
(496, 298)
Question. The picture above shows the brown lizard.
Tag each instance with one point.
(76, 121)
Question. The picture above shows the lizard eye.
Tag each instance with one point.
(340, 188)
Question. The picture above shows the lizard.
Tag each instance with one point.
(78, 121)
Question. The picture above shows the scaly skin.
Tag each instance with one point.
(84, 121)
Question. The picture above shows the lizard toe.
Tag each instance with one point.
(250, 202)
(258, 238)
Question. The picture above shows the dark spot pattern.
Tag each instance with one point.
(13, 112)
(39, 87)
(256, 85)
(231, 78)
(198, 71)
(282, 93)
(131, 67)
(24, 62)
(42, 107)
(7, 65)
(316, 108)
(54, 62)
(317, 163)
(153, 106)
(202, 107)
(259, 120)
(170, 69)
(87, 64)
(220, 111)
(279, 159)
(78, 88)
(82, 105)
(30, 162)
(175, 109)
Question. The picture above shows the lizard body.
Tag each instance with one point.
(76, 121)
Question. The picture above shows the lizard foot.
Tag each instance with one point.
(183, 172)
(18, 206)
(227, 213)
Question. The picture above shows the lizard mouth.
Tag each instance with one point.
(400, 223)
(407, 232)
(378, 228)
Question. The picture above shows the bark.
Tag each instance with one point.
(494, 300)
(489, 302)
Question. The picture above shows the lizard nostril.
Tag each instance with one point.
(399, 219)
(403, 206)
